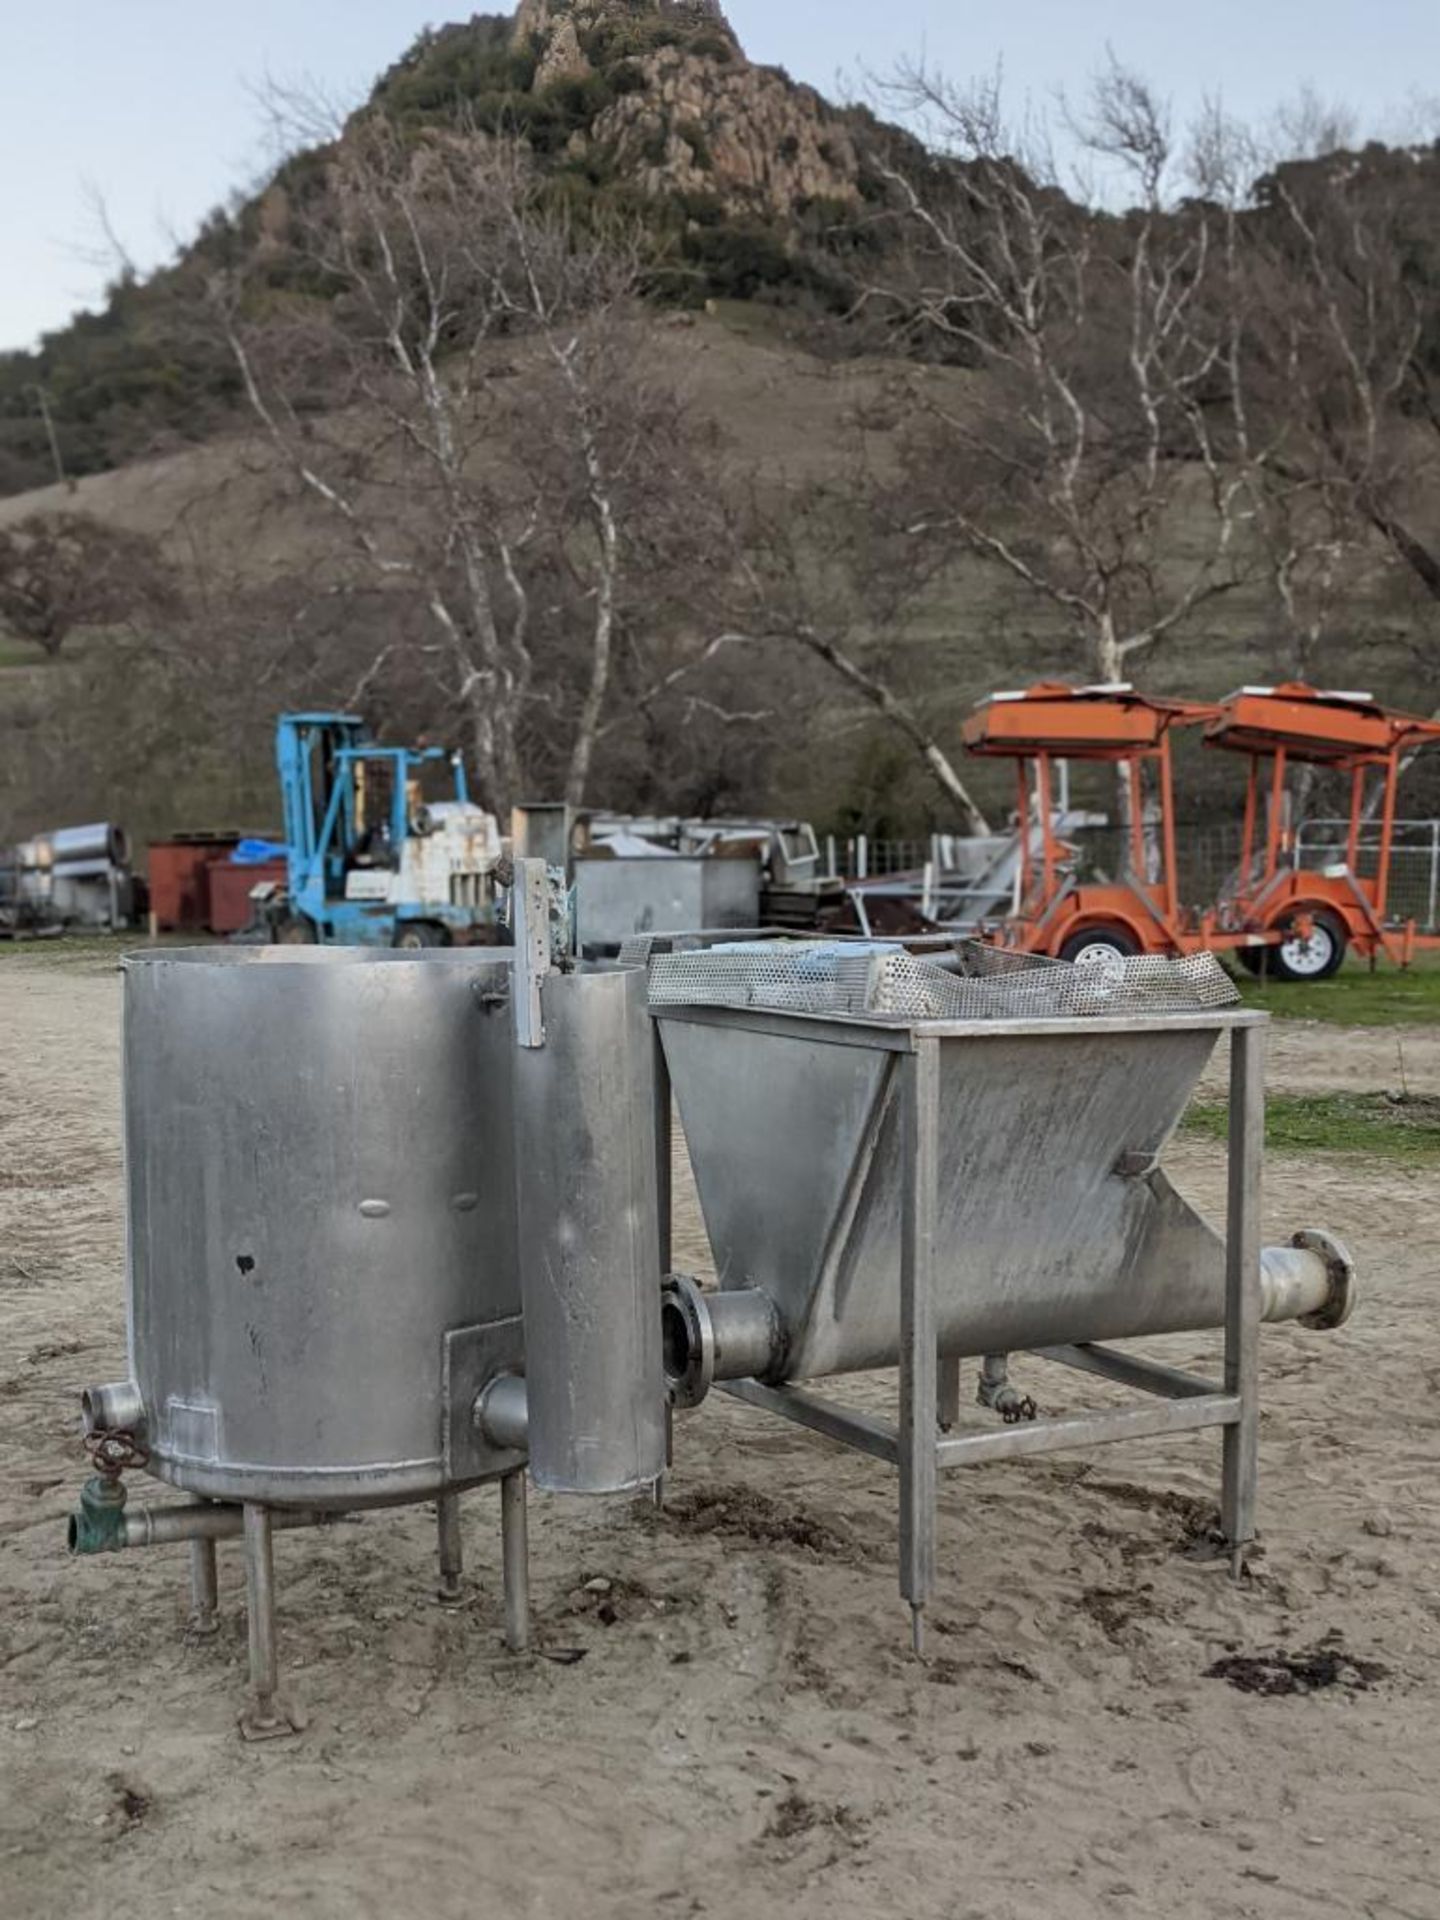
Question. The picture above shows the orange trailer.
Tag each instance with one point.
(1055, 913)
(1293, 922)
(1310, 918)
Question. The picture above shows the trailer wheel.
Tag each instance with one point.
(1105, 947)
(414, 935)
(1313, 956)
(294, 930)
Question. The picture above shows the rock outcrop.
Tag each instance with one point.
(690, 114)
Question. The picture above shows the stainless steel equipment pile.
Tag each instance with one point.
(399, 1226)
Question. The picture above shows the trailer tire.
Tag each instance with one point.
(1318, 957)
(414, 936)
(1100, 946)
(294, 930)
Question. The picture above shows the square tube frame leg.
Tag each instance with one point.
(919, 1358)
(664, 1211)
(1242, 1289)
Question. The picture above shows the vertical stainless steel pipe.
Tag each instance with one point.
(589, 1230)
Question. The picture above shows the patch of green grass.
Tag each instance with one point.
(1406, 1129)
(19, 653)
(1389, 997)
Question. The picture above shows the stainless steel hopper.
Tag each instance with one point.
(900, 1169)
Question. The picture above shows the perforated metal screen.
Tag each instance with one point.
(975, 982)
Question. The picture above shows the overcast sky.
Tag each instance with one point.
(151, 103)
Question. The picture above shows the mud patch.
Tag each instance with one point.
(1279, 1673)
(1115, 1609)
(741, 1513)
(796, 1814)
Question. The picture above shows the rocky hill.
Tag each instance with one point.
(750, 185)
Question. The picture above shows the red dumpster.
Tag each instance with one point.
(231, 908)
(179, 879)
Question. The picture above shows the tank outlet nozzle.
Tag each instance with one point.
(114, 1408)
(502, 1412)
(733, 1334)
(1311, 1280)
(98, 1523)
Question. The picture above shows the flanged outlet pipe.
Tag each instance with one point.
(739, 1334)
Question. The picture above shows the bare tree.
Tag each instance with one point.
(63, 572)
(1111, 412)
(1354, 343)
(459, 380)
(826, 570)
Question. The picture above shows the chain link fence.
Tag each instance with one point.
(1207, 854)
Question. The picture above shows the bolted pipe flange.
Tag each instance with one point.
(687, 1340)
(1340, 1267)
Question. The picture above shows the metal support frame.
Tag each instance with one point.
(1184, 1402)
(1242, 1289)
(919, 1353)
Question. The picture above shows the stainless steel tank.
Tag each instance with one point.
(320, 1169)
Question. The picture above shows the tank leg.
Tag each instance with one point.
(920, 1107)
(265, 1718)
(657, 1491)
(1242, 1290)
(516, 1554)
(452, 1556)
(204, 1589)
(947, 1394)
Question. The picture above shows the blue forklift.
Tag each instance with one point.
(371, 861)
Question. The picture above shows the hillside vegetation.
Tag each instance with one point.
(667, 436)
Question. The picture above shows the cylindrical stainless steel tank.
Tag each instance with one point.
(589, 1237)
(320, 1166)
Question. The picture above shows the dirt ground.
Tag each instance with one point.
(745, 1733)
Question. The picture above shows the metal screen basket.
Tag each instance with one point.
(970, 981)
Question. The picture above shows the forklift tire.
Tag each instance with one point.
(415, 935)
(1100, 946)
(1317, 958)
(294, 930)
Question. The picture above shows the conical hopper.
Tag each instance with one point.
(1054, 1225)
